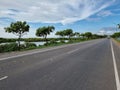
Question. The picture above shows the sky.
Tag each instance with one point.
(96, 16)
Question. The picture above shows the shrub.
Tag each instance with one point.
(70, 41)
(29, 45)
(22, 46)
(53, 41)
(62, 41)
(8, 47)
(46, 44)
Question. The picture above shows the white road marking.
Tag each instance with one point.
(115, 68)
(3, 78)
(72, 51)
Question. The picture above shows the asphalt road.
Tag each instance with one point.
(83, 66)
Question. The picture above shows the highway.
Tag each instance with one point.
(90, 65)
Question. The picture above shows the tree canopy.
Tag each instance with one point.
(116, 35)
(44, 31)
(18, 28)
(60, 33)
(88, 35)
(67, 32)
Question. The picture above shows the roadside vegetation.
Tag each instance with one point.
(21, 28)
(44, 32)
(116, 35)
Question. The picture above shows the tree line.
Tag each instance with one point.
(116, 34)
(20, 28)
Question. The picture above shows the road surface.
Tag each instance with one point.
(84, 66)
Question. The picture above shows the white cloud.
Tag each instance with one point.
(105, 13)
(107, 30)
(93, 19)
(52, 11)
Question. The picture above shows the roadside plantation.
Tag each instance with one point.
(21, 28)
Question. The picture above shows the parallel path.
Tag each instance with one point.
(83, 66)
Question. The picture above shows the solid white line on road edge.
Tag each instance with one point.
(115, 68)
(3, 78)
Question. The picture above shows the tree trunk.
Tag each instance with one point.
(69, 38)
(19, 42)
(46, 39)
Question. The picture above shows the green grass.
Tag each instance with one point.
(116, 39)
(30, 46)
(57, 44)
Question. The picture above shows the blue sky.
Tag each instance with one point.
(96, 16)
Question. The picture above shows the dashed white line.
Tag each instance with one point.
(115, 68)
(72, 51)
(3, 78)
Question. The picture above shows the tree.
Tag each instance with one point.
(44, 31)
(68, 32)
(116, 35)
(77, 34)
(50, 29)
(83, 35)
(118, 26)
(18, 28)
(95, 36)
(88, 35)
(60, 33)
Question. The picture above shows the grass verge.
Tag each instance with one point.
(29, 46)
